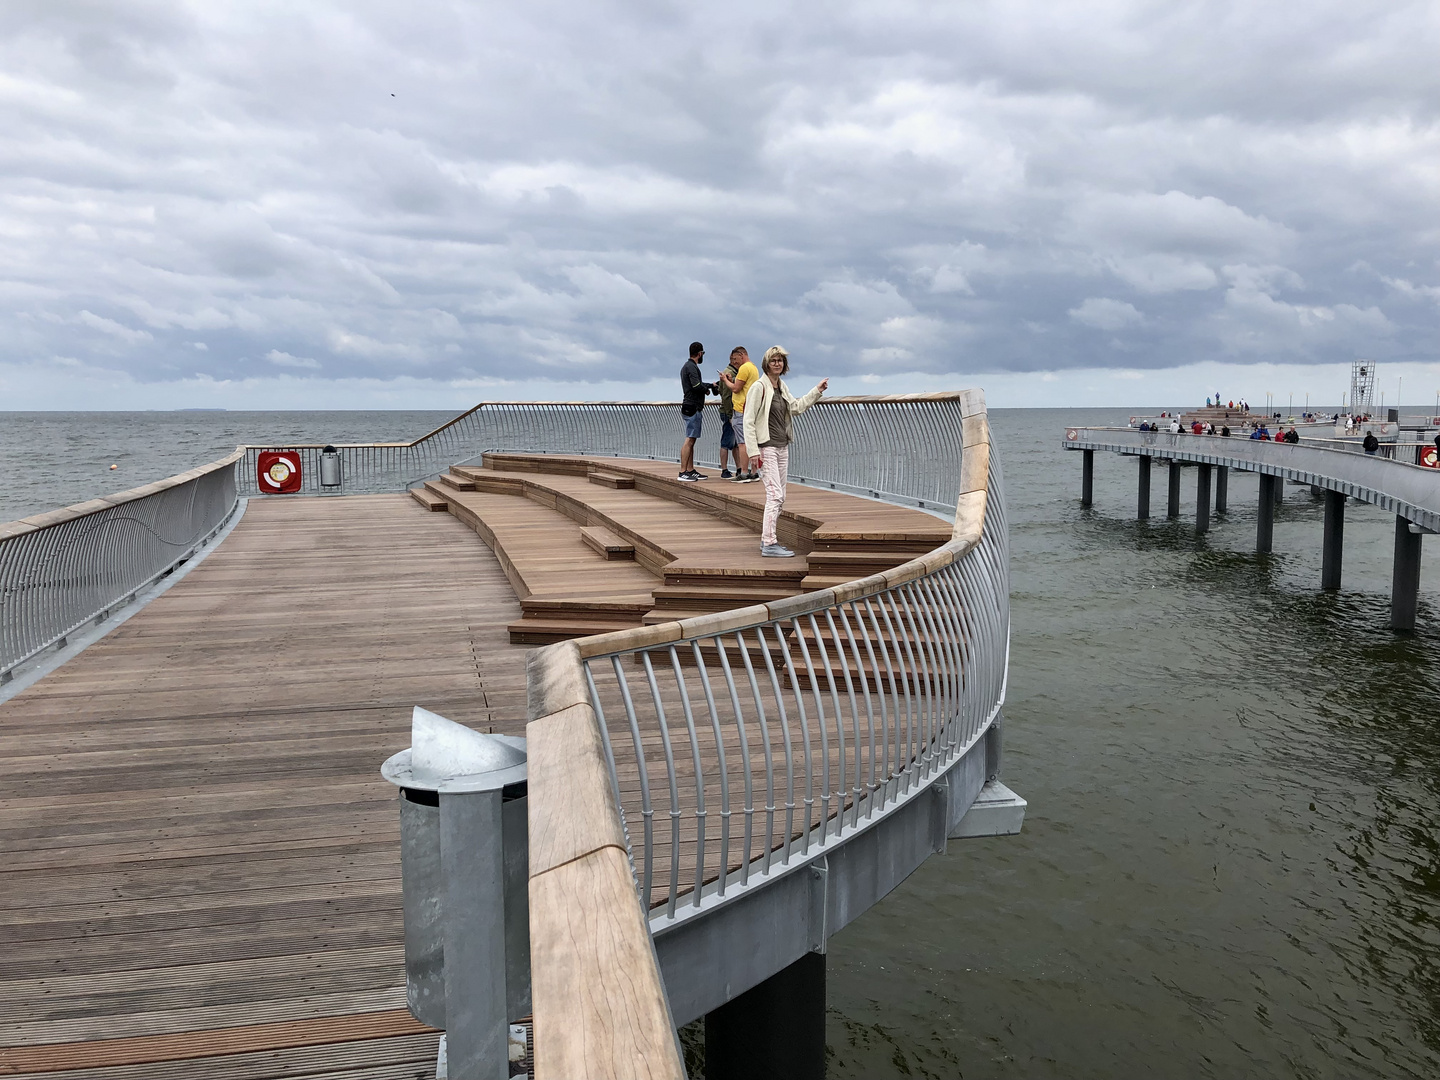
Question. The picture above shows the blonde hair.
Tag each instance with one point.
(775, 352)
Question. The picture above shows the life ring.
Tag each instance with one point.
(1072, 434)
(278, 472)
(1430, 457)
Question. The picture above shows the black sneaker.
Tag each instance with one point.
(726, 474)
(696, 475)
(687, 477)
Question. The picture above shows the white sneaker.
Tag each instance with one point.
(776, 551)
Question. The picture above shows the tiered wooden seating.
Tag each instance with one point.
(429, 500)
(566, 588)
(699, 543)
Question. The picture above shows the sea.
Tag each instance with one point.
(1230, 865)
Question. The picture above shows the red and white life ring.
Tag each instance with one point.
(277, 472)
(1072, 434)
(1430, 457)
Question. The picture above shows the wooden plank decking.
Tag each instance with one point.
(201, 873)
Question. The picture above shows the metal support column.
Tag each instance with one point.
(1202, 499)
(1087, 478)
(1279, 490)
(1142, 510)
(1222, 488)
(1334, 540)
(1405, 584)
(774, 1029)
(1173, 510)
(1265, 522)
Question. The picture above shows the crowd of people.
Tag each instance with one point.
(756, 408)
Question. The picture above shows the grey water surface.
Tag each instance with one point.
(1230, 865)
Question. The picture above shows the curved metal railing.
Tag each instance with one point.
(66, 568)
(735, 747)
(848, 443)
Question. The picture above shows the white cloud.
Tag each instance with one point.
(1102, 313)
(284, 359)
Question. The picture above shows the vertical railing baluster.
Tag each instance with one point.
(647, 809)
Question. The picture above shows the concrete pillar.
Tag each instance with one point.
(774, 1029)
(1173, 510)
(1087, 478)
(1202, 499)
(1405, 584)
(1334, 547)
(1279, 490)
(1265, 523)
(1222, 488)
(1142, 510)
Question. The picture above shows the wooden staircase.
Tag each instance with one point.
(591, 546)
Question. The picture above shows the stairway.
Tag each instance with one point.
(597, 545)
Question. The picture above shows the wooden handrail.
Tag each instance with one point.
(595, 989)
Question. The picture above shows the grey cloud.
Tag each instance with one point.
(575, 189)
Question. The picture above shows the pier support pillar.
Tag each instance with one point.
(1279, 490)
(1173, 510)
(1222, 488)
(1142, 509)
(1265, 521)
(774, 1029)
(1405, 584)
(1087, 478)
(1202, 499)
(1334, 540)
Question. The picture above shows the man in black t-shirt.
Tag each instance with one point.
(692, 408)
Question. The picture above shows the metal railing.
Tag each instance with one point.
(66, 568)
(904, 448)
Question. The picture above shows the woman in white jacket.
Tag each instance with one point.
(769, 405)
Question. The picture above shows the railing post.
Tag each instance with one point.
(1405, 582)
(1265, 518)
(1334, 543)
(1222, 488)
(1142, 510)
(1087, 478)
(1202, 499)
(1173, 510)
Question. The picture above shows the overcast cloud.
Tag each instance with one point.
(276, 199)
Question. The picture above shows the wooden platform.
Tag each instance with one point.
(699, 541)
(202, 873)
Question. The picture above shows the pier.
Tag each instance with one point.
(730, 758)
(1410, 492)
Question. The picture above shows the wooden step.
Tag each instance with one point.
(486, 480)
(816, 582)
(459, 483)
(623, 611)
(612, 479)
(857, 564)
(428, 499)
(606, 542)
(549, 631)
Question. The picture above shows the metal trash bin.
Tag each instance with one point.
(464, 863)
(330, 474)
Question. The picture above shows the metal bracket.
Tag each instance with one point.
(939, 816)
(819, 908)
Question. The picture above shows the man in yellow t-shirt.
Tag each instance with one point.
(745, 374)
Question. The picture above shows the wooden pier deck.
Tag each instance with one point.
(202, 871)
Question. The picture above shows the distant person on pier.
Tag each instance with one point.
(769, 409)
(1371, 444)
(728, 447)
(1174, 427)
(692, 408)
(1292, 436)
(1225, 431)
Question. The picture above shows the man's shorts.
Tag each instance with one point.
(727, 433)
(692, 424)
(737, 425)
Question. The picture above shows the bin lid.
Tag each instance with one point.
(451, 758)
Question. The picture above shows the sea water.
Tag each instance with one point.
(1230, 866)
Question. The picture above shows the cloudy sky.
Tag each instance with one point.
(433, 203)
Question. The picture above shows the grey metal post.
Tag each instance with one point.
(1087, 478)
(1265, 521)
(1202, 499)
(1142, 511)
(1334, 544)
(1173, 510)
(1222, 488)
(465, 890)
(1405, 584)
